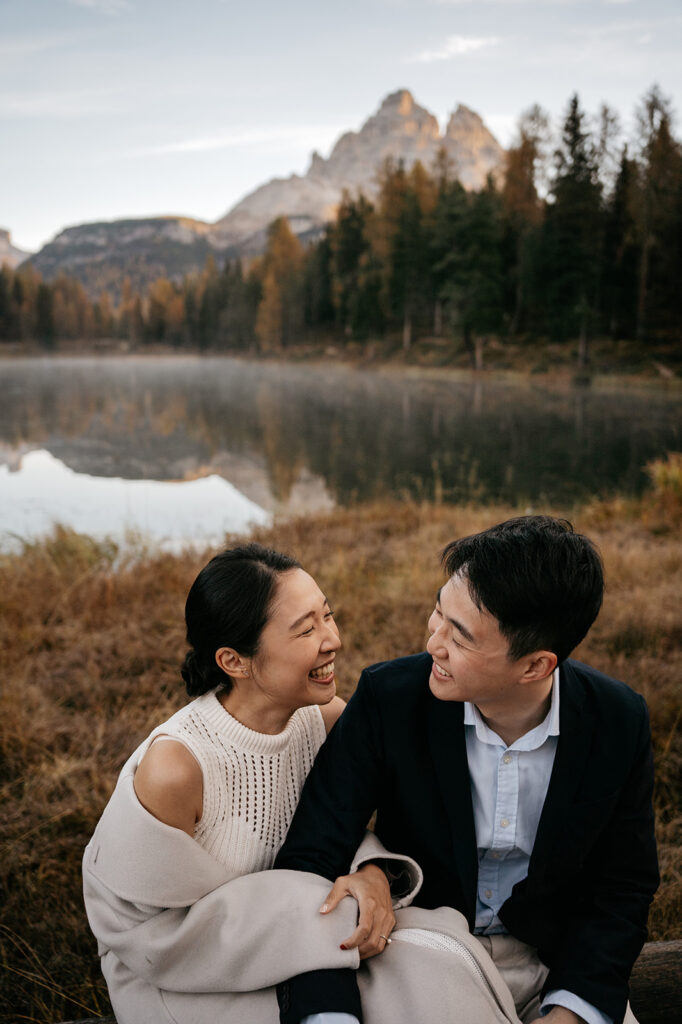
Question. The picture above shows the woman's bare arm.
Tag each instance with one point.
(169, 784)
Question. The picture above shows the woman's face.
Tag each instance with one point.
(294, 666)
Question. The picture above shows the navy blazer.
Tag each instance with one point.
(593, 870)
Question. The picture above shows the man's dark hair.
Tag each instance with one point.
(543, 582)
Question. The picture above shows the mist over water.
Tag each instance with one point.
(293, 438)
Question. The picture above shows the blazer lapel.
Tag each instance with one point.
(448, 752)
(576, 726)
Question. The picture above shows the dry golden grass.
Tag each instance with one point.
(91, 648)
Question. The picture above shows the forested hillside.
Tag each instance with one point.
(581, 240)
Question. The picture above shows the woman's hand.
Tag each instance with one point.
(376, 920)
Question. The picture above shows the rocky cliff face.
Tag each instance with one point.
(101, 255)
(400, 129)
(9, 253)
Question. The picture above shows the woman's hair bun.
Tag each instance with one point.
(194, 677)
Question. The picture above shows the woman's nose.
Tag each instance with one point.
(332, 640)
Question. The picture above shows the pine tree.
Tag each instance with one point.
(474, 281)
(279, 319)
(44, 317)
(6, 310)
(573, 230)
(621, 254)
(524, 214)
(659, 213)
(355, 270)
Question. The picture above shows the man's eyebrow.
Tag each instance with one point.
(302, 618)
(453, 622)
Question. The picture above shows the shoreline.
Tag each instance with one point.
(560, 377)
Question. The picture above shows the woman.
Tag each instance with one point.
(192, 927)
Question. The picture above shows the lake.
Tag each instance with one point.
(90, 441)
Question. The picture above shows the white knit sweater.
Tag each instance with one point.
(252, 780)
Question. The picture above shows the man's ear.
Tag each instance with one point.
(232, 663)
(539, 665)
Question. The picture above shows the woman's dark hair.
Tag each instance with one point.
(543, 582)
(228, 605)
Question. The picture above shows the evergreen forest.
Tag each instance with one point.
(580, 239)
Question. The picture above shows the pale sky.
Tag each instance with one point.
(133, 108)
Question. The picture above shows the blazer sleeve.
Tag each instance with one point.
(337, 801)
(602, 939)
(340, 793)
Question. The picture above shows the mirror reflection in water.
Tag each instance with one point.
(293, 438)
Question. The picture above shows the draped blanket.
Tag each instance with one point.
(183, 941)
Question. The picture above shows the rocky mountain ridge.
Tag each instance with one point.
(402, 130)
(102, 254)
(10, 254)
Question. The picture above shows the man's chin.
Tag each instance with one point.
(442, 689)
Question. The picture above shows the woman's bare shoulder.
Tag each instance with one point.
(331, 711)
(169, 784)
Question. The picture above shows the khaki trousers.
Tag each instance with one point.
(524, 974)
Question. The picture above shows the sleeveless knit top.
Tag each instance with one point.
(252, 780)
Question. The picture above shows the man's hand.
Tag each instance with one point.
(376, 920)
(559, 1015)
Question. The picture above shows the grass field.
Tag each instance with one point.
(91, 644)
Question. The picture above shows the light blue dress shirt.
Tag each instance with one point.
(508, 789)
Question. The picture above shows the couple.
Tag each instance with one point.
(512, 790)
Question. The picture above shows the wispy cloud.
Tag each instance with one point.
(454, 46)
(76, 103)
(104, 6)
(642, 28)
(309, 135)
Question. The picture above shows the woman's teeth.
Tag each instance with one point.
(323, 672)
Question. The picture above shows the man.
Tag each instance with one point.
(519, 780)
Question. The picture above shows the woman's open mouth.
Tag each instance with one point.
(323, 674)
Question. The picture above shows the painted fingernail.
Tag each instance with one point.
(342, 946)
(324, 908)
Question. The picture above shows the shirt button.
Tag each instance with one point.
(507, 758)
(505, 822)
(488, 894)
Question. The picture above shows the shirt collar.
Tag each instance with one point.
(549, 726)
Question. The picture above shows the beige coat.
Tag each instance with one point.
(182, 941)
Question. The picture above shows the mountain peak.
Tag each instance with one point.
(10, 254)
(464, 119)
(402, 100)
(400, 129)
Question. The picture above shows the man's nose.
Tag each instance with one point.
(434, 643)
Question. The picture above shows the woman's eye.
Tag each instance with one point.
(307, 632)
(329, 614)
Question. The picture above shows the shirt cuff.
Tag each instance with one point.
(560, 997)
(330, 1018)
